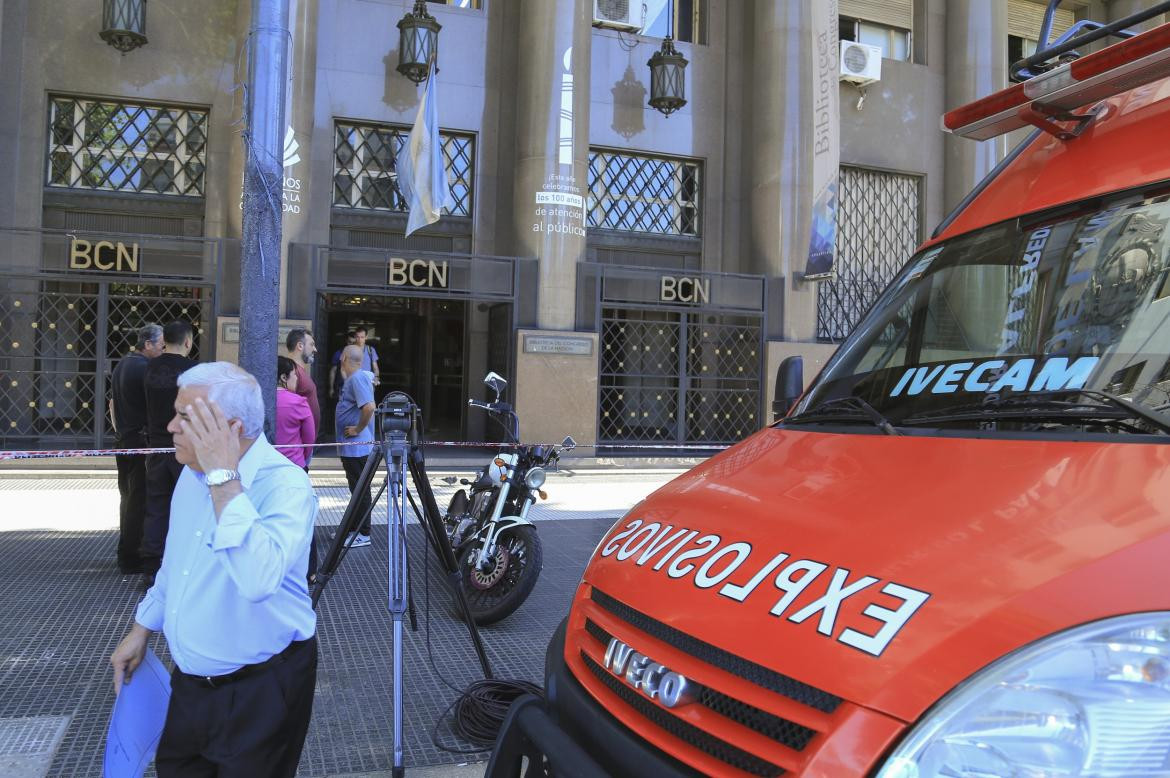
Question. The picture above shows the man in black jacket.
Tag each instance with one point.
(162, 470)
(128, 412)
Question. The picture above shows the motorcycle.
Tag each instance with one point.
(495, 543)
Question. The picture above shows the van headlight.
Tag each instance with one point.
(1093, 701)
(535, 478)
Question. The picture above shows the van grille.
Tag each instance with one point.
(717, 657)
(709, 744)
(781, 730)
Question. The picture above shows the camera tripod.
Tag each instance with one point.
(396, 447)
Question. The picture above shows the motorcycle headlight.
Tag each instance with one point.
(535, 478)
(1092, 702)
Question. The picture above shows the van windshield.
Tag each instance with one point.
(1054, 326)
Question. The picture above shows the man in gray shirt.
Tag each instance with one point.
(354, 420)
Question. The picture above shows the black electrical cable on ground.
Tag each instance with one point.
(480, 709)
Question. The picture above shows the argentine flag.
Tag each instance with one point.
(421, 174)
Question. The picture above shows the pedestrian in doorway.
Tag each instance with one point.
(128, 414)
(355, 425)
(231, 595)
(302, 350)
(335, 378)
(369, 354)
(162, 470)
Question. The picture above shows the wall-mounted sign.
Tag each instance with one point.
(557, 344)
(684, 289)
(230, 332)
(103, 255)
(426, 273)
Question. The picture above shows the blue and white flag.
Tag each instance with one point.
(422, 178)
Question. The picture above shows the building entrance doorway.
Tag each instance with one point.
(429, 348)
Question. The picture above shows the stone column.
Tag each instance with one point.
(780, 158)
(976, 66)
(303, 204)
(552, 148)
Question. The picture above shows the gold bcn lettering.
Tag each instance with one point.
(417, 272)
(684, 289)
(103, 255)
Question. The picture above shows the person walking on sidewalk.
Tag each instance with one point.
(231, 595)
(355, 424)
(128, 412)
(162, 470)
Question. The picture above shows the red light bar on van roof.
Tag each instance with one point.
(1110, 71)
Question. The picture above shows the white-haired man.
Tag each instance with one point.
(231, 595)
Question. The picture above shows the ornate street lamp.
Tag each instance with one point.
(418, 42)
(667, 84)
(124, 24)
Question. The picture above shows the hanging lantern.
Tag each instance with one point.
(418, 42)
(124, 24)
(667, 82)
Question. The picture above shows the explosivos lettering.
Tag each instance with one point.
(713, 564)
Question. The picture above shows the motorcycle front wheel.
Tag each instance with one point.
(493, 594)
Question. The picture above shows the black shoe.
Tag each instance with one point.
(131, 566)
(147, 581)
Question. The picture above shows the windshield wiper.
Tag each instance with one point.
(854, 406)
(1047, 405)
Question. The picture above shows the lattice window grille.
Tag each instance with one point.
(638, 193)
(365, 176)
(878, 229)
(126, 147)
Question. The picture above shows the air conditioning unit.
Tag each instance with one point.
(617, 14)
(861, 63)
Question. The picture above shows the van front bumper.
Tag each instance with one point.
(571, 735)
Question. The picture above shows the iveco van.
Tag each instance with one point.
(951, 557)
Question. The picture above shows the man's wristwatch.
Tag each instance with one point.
(221, 476)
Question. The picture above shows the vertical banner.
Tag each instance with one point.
(826, 118)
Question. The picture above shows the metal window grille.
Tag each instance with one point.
(364, 174)
(678, 377)
(126, 147)
(878, 228)
(644, 194)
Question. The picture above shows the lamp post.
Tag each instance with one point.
(418, 42)
(667, 81)
(124, 24)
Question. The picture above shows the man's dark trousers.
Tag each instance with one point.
(353, 467)
(254, 726)
(162, 472)
(132, 510)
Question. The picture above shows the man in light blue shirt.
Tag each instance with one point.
(354, 420)
(231, 595)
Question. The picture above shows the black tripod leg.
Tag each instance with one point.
(351, 519)
(437, 534)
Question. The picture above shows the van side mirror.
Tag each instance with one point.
(496, 382)
(789, 385)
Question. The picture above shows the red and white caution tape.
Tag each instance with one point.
(107, 452)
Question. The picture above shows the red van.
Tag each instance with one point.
(952, 556)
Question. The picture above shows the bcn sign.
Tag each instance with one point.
(684, 289)
(103, 255)
(417, 272)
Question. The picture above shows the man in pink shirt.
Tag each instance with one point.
(301, 350)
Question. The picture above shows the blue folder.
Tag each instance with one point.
(136, 723)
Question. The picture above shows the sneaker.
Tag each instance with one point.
(360, 540)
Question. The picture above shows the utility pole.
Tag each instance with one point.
(263, 139)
